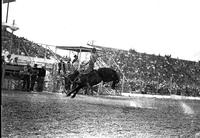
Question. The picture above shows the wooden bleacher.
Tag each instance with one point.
(12, 76)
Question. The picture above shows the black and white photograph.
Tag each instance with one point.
(100, 69)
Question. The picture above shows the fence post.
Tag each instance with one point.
(3, 74)
(100, 88)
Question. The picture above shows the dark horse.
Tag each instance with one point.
(70, 79)
(95, 77)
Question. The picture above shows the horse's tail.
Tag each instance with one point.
(117, 78)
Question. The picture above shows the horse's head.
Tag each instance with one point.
(76, 72)
(78, 80)
(74, 75)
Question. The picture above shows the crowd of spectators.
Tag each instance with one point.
(31, 76)
(160, 74)
(26, 73)
(22, 46)
(143, 72)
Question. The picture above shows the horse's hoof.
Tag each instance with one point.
(68, 95)
(65, 92)
(73, 96)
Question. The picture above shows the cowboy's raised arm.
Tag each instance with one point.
(86, 63)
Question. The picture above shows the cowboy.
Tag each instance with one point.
(75, 59)
(93, 59)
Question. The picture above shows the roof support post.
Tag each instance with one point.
(79, 61)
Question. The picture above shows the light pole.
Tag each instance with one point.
(13, 28)
(7, 12)
(8, 3)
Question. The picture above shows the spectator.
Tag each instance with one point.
(26, 78)
(3, 60)
(140, 67)
(15, 61)
(34, 75)
(68, 66)
(8, 59)
(61, 66)
(40, 80)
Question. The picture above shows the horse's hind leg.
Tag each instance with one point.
(92, 91)
(113, 85)
(88, 89)
(85, 91)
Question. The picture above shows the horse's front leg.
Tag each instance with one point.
(85, 91)
(69, 93)
(64, 91)
(76, 91)
(92, 90)
(87, 88)
(114, 86)
(66, 88)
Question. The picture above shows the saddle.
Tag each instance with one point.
(85, 72)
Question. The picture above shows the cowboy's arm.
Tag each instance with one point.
(86, 63)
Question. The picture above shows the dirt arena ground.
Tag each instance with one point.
(55, 115)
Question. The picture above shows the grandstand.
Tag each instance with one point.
(22, 46)
(156, 74)
(175, 75)
(144, 73)
(26, 52)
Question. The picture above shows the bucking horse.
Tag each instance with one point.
(93, 78)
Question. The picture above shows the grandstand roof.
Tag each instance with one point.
(76, 48)
(12, 27)
(104, 47)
